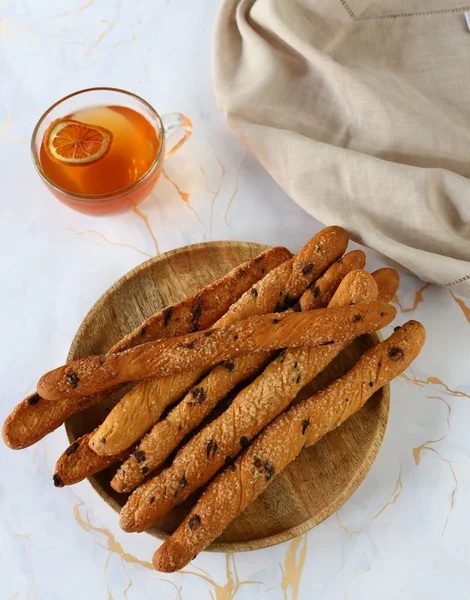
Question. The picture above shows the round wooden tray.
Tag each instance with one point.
(315, 485)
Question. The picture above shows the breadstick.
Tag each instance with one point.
(165, 436)
(137, 412)
(356, 288)
(198, 350)
(388, 281)
(221, 440)
(279, 444)
(35, 417)
(79, 461)
(321, 292)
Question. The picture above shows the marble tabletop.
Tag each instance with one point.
(403, 534)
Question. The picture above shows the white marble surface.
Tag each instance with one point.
(404, 533)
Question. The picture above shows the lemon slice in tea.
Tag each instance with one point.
(73, 143)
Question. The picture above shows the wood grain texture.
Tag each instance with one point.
(315, 485)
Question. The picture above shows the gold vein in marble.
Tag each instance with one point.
(130, 584)
(146, 71)
(178, 589)
(103, 34)
(353, 578)
(349, 535)
(77, 10)
(233, 584)
(112, 544)
(235, 191)
(448, 406)
(395, 495)
(86, 50)
(183, 195)
(463, 306)
(223, 171)
(215, 193)
(133, 38)
(7, 30)
(58, 33)
(5, 127)
(431, 380)
(106, 565)
(32, 584)
(145, 219)
(417, 301)
(293, 566)
(417, 458)
(92, 231)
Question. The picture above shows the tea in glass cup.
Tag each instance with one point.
(101, 150)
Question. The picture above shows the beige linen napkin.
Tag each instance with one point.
(360, 110)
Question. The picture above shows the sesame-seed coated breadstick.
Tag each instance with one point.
(79, 461)
(201, 351)
(279, 444)
(321, 292)
(388, 281)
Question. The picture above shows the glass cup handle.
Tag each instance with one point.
(177, 129)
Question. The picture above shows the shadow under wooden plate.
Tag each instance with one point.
(315, 485)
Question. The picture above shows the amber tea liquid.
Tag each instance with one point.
(133, 149)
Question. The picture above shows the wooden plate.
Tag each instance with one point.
(315, 485)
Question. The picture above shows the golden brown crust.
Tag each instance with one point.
(253, 408)
(199, 351)
(139, 409)
(358, 286)
(79, 461)
(276, 293)
(320, 293)
(237, 486)
(35, 417)
(388, 282)
(167, 434)
(202, 309)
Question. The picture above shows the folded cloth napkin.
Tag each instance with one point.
(360, 110)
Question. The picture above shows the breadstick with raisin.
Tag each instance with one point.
(79, 461)
(221, 440)
(281, 442)
(156, 446)
(321, 292)
(166, 434)
(137, 412)
(35, 417)
(388, 281)
(198, 350)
